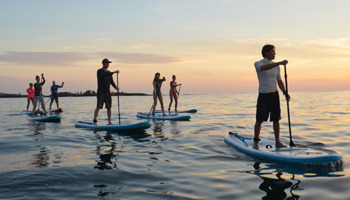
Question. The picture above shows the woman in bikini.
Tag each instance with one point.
(157, 84)
(38, 93)
(173, 93)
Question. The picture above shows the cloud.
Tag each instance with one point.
(139, 58)
(43, 58)
(317, 49)
(72, 58)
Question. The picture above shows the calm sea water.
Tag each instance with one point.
(171, 160)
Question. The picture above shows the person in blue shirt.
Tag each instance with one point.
(54, 93)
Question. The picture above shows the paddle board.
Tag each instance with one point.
(165, 117)
(43, 118)
(181, 111)
(137, 126)
(267, 151)
(31, 112)
(58, 110)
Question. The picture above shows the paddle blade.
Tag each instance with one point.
(291, 143)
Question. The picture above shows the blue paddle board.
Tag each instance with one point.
(42, 118)
(137, 126)
(268, 151)
(163, 117)
(31, 112)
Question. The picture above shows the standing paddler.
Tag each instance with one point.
(30, 97)
(54, 93)
(38, 96)
(104, 80)
(268, 101)
(157, 92)
(173, 93)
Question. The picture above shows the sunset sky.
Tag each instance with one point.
(210, 45)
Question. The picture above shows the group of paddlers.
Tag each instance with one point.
(36, 97)
(268, 103)
(105, 79)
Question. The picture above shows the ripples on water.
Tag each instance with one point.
(171, 160)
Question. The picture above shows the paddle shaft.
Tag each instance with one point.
(149, 114)
(48, 99)
(179, 92)
(41, 94)
(118, 97)
(291, 143)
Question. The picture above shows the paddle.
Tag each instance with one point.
(118, 97)
(291, 143)
(41, 93)
(178, 94)
(149, 114)
(48, 99)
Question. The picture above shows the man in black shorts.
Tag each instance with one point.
(104, 80)
(268, 101)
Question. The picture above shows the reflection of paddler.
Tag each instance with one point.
(105, 158)
(42, 158)
(274, 188)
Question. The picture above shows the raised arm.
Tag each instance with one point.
(272, 65)
(43, 79)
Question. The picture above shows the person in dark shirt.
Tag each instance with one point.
(38, 93)
(104, 81)
(54, 93)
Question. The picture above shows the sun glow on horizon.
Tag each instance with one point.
(210, 50)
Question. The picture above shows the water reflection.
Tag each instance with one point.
(279, 178)
(108, 160)
(42, 158)
(158, 130)
(275, 187)
(174, 128)
(36, 127)
(101, 193)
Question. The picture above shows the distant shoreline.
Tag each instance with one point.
(77, 94)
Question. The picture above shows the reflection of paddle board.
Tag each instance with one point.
(267, 151)
(163, 117)
(183, 111)
(42, 118)
(137, 126)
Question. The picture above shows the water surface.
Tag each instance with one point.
(171, 160)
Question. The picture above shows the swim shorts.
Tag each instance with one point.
(104, 98)
(268, 104)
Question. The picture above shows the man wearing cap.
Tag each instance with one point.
(104, 80)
